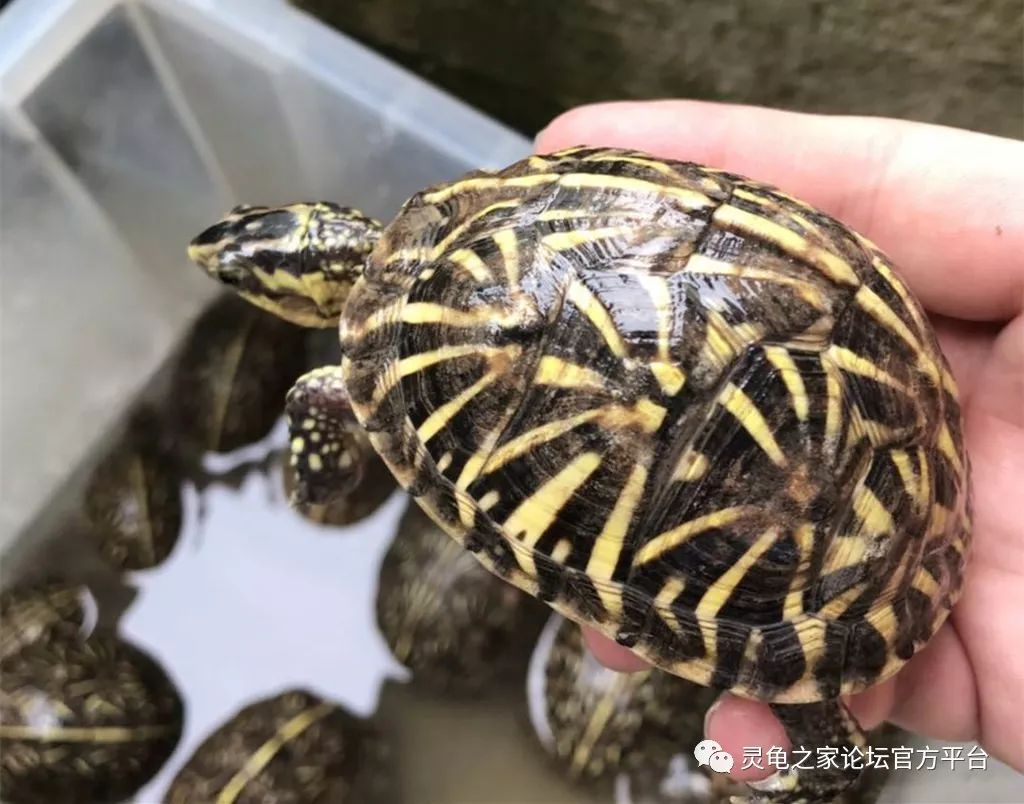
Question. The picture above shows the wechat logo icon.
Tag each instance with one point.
(710, 753)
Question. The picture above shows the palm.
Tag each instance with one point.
(982, 643)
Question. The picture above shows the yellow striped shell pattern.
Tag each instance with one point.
(680, 406)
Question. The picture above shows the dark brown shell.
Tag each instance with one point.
(83, 720)
(133, 500)
(230, 379)
(292, 748)
(446, 618)
(39, 611)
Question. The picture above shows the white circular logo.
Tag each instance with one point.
(710, 753)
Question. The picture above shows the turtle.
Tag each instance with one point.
(83, 719)
(682, 407)
(229, 378)
(133, 499)
(447, 619)
(636, 728)
(294, 747)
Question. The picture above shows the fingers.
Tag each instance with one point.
(611, 654)
(945, 204)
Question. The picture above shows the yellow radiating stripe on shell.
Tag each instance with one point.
(909, 478)
(883, 270)
(439, 419)
(841, 602)
(418, 362)
(561, 551)
(471, 263)
(669, 376)
(869, 509)
(702, 264)
(717, 594)
(508, 246)
(853, 363)
(947, 448)
(475, 465)
(488, 183)
(783, 361)
(688, 199)
(845, 551)
(833, 403)
(489, 500)
(563, 241)
(605, 554)
(431, 313)
(939, 518)
(527, 441)
(804, 538)
(657, 288)
(875, 306)
(692, 466)
(556, 372)
(671, 539)
(82, 734)
(925, 479)
(445, 243)
(261, 757)
(925, 583)
(651, 164)
(672, 588)
(735, 219)
(536, 513)
(606, 707)
(644, 414)
(588, 304)
(747, 414)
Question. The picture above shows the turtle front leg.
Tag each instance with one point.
(329, 449)
(810, 780)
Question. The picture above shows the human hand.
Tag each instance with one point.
(948, 207)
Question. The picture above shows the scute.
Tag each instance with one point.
(683, 408)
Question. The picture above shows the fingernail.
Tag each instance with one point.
(711, 711)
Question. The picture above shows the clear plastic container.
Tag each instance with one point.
(124, 128)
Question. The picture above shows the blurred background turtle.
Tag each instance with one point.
(33, 612)
(83, 719)
(295, 747)
(230, 377)
(133, 500)
(454, 624)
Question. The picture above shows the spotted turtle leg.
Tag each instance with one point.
(815, 726)
(329, 449)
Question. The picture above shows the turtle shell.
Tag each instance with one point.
(83, 720)
(446, 618)
(682, 407)
(294, 748)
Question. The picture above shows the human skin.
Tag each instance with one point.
(948, 207)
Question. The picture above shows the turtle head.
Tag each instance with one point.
(297, 261)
